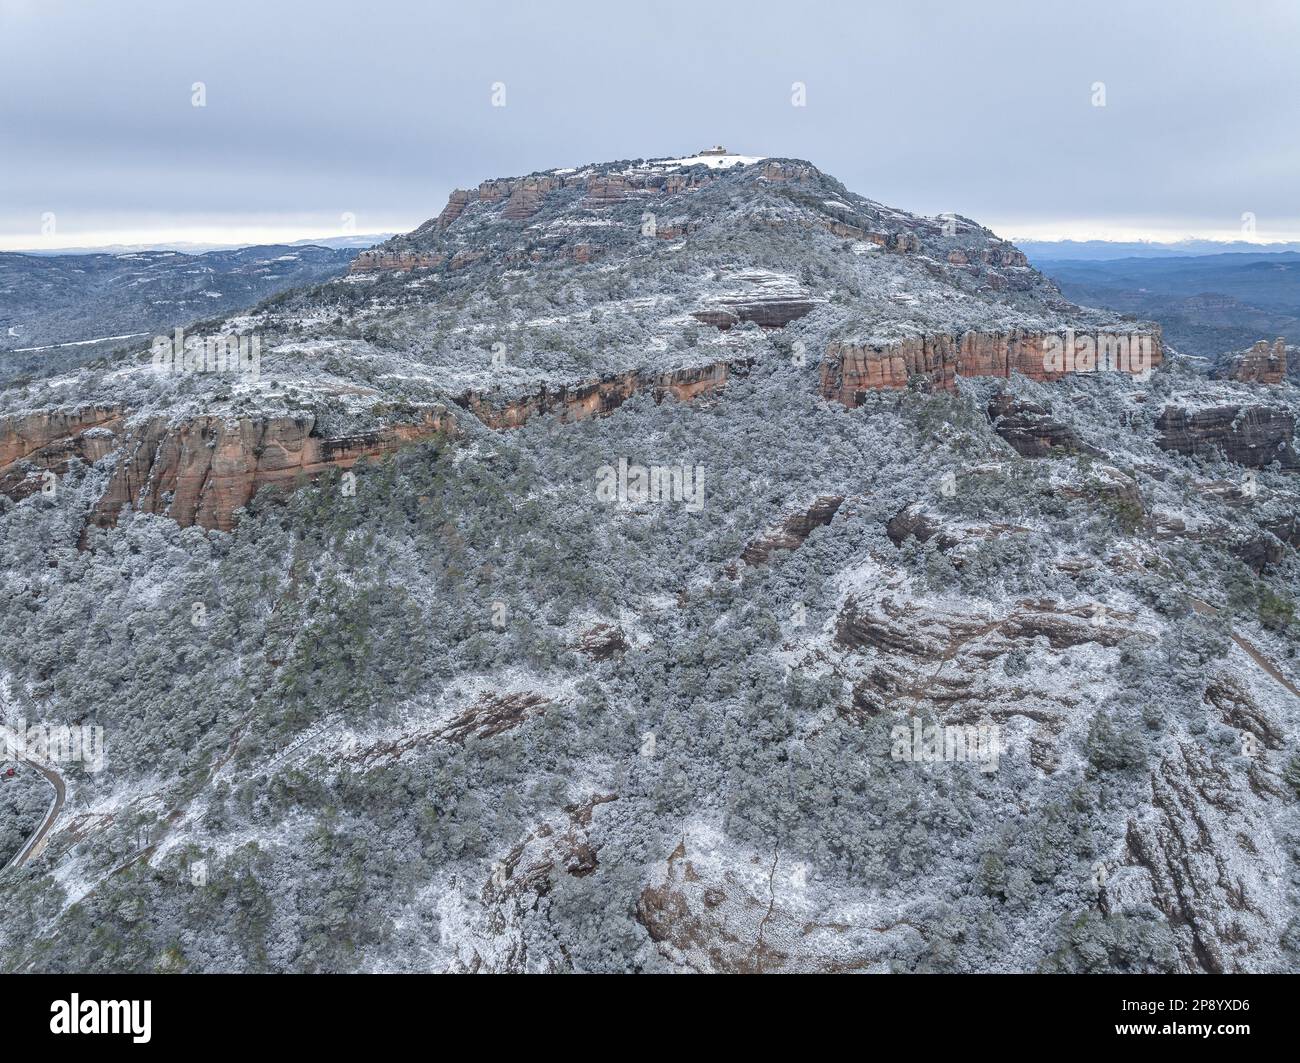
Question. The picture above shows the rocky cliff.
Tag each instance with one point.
(597, 398)
(1031, 430)
(32, 435)
(935, 360)
(794, 530)
(369, 261)
(203, 470)
(1264, 363)
(1254, 436)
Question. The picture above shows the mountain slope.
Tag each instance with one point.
(566, 587)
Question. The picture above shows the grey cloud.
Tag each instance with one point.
(379, 109)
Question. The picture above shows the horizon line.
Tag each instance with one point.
(216, 239)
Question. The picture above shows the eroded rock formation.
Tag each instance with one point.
(35, 443)
(523, 197)
(935, 360)
(1260, 364)
(598, 397)
(515, 933)
(1207, 860)
(370, 261)
(713, 915)
(602, 642)
(794, 530)
(1254, 436)
(771, 313)
(28, 434)
(204, 469)
(914, 522)
(1031, 430)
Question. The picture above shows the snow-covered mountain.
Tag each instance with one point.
(681, 564)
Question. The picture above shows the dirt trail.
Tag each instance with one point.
(1206, 609)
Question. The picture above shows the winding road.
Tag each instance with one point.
(37, 841)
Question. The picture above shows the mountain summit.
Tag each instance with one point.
(567, 290)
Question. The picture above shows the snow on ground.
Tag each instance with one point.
(713, 162)
(78, 343)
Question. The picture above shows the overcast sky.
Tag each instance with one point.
(318, 109)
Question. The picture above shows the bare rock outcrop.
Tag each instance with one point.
(515, 931)
(934, 360)
(37, 443)
(771, 313)
(794, 530)
(203, 470)
(494, 713)
(768, 299)
(460, 199)
(1261, 364)
(1032, 431)
(722, 914)
(602, 642)
(26, 435)
(1210, 864)
(372, 261)
(899, 627)
(596, 398)
(1254, 436)
(526, 197)
(913, 521)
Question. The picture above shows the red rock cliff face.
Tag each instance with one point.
(369, 261)
(32, 444)
(599, 397)
(460, 199)
(1261, 364)
(850, 370)
(202, 471)
(28, 435)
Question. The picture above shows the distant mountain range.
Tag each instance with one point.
(1092, 250)
(354, 241)
(60, 311)
(1207, 304)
